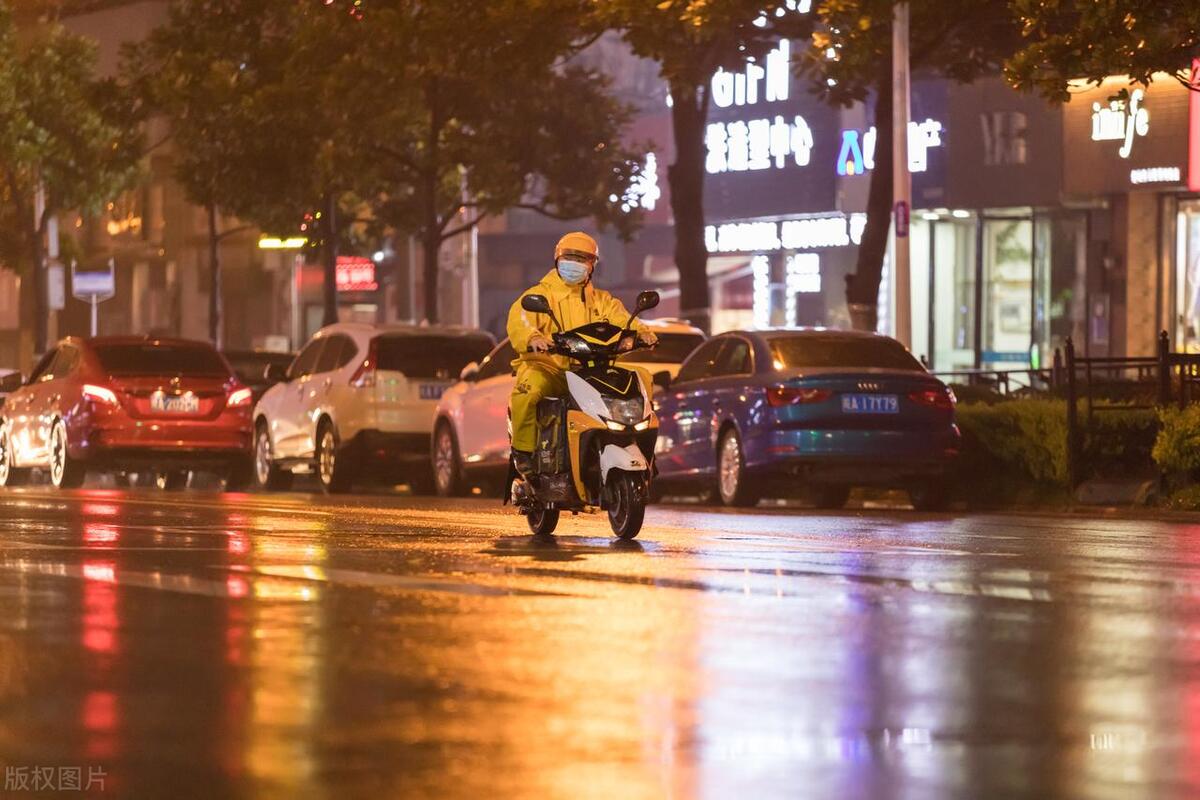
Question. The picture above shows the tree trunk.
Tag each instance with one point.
(329, 315)
(215, 304)
(431, 248)
(41, 304)
(862, 287)
(689, 113)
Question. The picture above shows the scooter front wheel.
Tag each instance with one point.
(542, 521)
(626, 503)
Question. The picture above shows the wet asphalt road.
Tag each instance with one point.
(200, 645)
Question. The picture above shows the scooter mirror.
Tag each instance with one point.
(646, 301)
(535, 303)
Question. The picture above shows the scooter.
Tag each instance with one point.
(595, 447)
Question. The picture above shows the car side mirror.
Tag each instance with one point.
(12, 382)
(275, 373)
(645, 301)
(469, 372)
(662, 380)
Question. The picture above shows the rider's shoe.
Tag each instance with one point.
(523, 461)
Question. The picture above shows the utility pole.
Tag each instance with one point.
(902, 181)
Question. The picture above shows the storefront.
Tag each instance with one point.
(1131, 154)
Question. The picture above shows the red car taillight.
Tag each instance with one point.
(364, 376)
(239, 398)
(935, 398)
(99, 394)
(792, 396)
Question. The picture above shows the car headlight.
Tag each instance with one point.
(628, 412)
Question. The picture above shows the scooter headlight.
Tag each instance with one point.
(627, 412)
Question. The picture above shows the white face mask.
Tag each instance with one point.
(573, 273)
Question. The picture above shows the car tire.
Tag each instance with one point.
(333, 464)
(930, 495)
(65, 472)
(732, 485)
(268, 476)
(447, 463)
(173, 480)
(9, 474)
(830, 497)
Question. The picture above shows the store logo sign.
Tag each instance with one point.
(741, 146)
(743, 88)
(1121, 121)
(1003, 138)
(855, 158)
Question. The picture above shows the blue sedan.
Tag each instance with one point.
(811, 412)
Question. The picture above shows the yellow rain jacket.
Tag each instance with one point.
(542, 375)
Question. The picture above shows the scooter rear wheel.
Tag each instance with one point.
(626, 504)
(542, 521)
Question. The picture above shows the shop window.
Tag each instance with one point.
(953, 317)
(1007, 293)
(1187, 277)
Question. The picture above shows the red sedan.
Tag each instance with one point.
(127, 403)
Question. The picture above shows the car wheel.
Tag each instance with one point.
(830, 497)
(267, 475)
(10, 475)
(65, 472)
(732, 485)
(171, 480)
(931, 495)
(333, 469)
(447, 466)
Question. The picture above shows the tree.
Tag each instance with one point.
(68, 141)
(691, 40)
(1066, 40)
(467, 109)
(850, 61)
(243, 136)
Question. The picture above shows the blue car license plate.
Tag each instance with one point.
(870, 404)
(431, 391)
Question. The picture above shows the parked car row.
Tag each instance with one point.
(742, 415)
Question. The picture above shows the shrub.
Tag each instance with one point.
(1177, 448)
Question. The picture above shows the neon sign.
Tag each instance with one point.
(805, 233)
(741, 146)
(855, 158)
(1119, 121)
(355, 274)
(742, 89)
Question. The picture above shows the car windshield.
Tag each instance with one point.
(795, 352)
(249, 366)
(424, 356)
(672, 348)
(161, 359)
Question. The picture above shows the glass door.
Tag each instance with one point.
(1008, 298)
(951, 326)
(1187, 277)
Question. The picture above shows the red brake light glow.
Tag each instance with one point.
(364, 376)
(100, 394)
(794, 396)
(934, 398)
(240, 397)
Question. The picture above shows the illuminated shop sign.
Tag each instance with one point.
(806, 233)
(857, 154)
(741, 146)
(355, 274)
(644, 191)
(746, 87)
(1121, 121)
(1155, 175)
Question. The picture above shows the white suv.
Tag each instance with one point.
(470, 435)
(358, 404)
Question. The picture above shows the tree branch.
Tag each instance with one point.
(466, 226)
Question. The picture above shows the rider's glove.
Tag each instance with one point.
(539, 343)
(647, 338)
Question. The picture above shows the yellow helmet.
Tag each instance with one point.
(577, 243)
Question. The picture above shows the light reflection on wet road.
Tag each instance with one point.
(205, 645)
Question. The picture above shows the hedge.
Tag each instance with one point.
(1016, 451)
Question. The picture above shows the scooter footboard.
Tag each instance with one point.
(628, 458)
